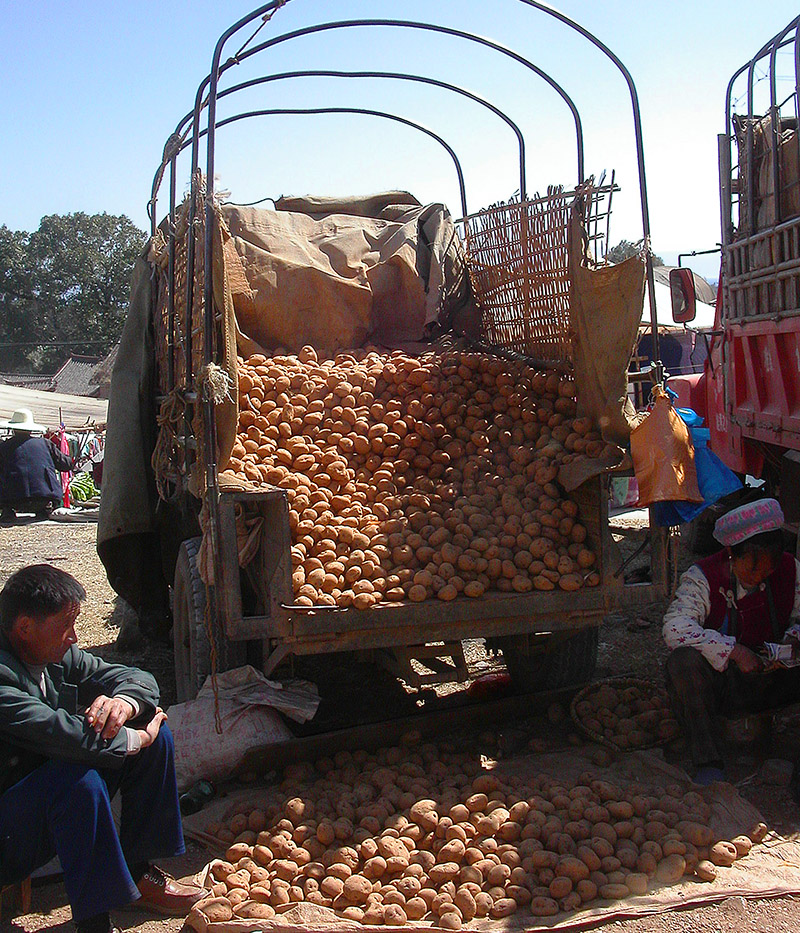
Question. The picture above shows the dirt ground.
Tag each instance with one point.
(630, 644)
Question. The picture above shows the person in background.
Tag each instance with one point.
(74, 731)
(726, 608)
(29, 469)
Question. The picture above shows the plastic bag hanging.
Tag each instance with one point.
(663, 455)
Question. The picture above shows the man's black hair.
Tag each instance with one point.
(38, 591)
(768, 542)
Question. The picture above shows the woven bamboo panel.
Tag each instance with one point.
(519, 268)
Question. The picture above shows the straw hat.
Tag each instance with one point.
(22, 420)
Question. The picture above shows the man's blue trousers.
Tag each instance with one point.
(63, 808)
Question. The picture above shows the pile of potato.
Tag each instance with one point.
(424, 832)
(413, 477)
(627, 715)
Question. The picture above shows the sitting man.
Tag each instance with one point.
(726, 608)
(30, 469)
(74, 730)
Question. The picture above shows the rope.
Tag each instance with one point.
(168, 419)
(264, 20)
(216, 383)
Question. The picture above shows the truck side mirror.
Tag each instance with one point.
(682, 293)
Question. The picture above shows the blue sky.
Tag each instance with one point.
(92, 91)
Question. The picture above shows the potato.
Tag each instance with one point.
(394, 915)
(614, 892)
(742, 844)
(695, 833)
(416, 908)
(723, 853)
(237, 851)
(560, 887)
(706, 870)
(373, 915)
(450, 921)
(636, 882)
(543, 907)
(241, 879)
(573, 868)
(671, 869)
(237, 896)
(370, 446)
(758, 833)
(253, 910)
(586, 890)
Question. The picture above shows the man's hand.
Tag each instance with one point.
(107, 715)
(149, 734)
(745, 659)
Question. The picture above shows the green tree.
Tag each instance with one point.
(67, 283)
(625, 249)
(16, 298)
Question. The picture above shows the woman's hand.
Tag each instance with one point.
(747, 661)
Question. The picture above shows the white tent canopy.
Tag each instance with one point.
(51, 409)
(703, 321)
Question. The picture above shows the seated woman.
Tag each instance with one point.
(727, 606)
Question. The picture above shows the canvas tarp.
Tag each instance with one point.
(605, 311)
(770, 870)
(51, 409)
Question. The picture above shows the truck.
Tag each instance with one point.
(229, 302)
(748, 390)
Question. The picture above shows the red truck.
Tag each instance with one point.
(749, 391)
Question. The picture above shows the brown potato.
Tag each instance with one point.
(723, 853)
(671, 869)
(706, 870)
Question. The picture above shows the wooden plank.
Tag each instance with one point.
(229, 592)
(471, 715)
(405, 635)
(491, 606)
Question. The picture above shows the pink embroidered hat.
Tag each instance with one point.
(748, 520)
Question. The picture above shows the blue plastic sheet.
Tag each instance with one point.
(714, 479)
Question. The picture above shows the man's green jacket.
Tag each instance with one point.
(35, 729)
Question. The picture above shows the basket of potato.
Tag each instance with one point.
(425, 833)
(624, 713)
(417, 477)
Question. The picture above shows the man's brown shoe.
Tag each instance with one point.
(163, 894)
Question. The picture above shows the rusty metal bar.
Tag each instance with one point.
(401, 76)
(366, 112)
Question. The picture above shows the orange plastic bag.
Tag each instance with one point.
(663, 455)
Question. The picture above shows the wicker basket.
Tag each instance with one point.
(619, 683)
(518, 255)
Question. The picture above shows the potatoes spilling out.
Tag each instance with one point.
(424, 832)
(413, 477)
(626, 714)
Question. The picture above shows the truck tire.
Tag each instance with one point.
(567, 660)
(189, 634)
